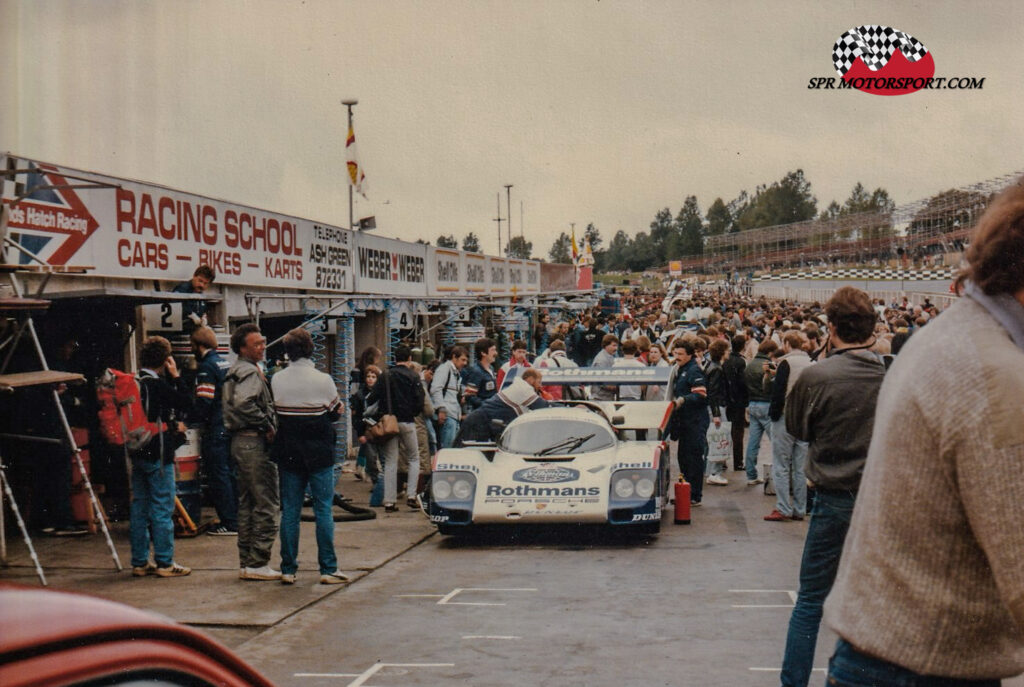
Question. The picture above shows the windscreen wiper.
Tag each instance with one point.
(566, 445)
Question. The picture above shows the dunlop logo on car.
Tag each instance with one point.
(546, 474)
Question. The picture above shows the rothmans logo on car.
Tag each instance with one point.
(546, 473)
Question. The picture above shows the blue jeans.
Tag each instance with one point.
(760, 424)
(789, 458)
(293, 488)
(216, 452)
(448, 431)
(818, 567)
(151, 511)
(850, 668)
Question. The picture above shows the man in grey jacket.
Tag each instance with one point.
(250, 418)
(831, 407)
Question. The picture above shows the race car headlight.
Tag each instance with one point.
(462, 489)
(624, 488)
(452, 486)
(442, 489)
(633, 485)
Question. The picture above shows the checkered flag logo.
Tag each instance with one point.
(874, 45)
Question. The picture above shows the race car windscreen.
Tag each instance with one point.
(555, 438)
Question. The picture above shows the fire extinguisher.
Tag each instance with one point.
(682, 514)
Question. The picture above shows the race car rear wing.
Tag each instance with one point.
(608, 376)
(631, 414)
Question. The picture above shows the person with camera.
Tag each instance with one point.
(399, 393)
(152, 467)
(446, 393)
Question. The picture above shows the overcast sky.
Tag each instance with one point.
(598, 112)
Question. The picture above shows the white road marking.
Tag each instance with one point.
(779, 670)
(446, 600)
(361, 678)
(417, 596)
(788, 592)
(490, 637)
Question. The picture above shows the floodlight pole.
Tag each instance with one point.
(349, 104)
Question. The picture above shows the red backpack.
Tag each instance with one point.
(122, 417)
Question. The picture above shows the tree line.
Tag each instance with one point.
(682, 236)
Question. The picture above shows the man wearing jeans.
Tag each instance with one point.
(832, 408)
(307, 405)
(788, 455)
(757, 407)
(152, 467)
(445, 392)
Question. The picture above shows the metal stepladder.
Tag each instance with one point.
(16, 318)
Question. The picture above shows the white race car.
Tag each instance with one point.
(558, 465)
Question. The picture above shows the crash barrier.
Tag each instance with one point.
(820, 295)
(186, 476)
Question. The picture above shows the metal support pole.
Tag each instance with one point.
(21, 525)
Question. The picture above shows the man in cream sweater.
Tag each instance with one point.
(931, 581)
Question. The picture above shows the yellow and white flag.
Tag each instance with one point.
(356, 175)
(575, 250)
(587, 258)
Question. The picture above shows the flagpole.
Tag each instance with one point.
(349, 104)
(508, 206)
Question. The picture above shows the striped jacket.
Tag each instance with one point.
(206, 409)
(307, 404)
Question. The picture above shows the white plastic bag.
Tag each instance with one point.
(720, 442)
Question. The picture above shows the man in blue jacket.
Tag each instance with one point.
(478, 379)
(690, 419)
(215, 448)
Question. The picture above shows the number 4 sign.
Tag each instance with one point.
(162, 317)
(401, 315)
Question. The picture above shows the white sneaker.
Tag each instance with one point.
(754, 482)
(287, 578)
(336, 577)
(717, 479)
(264, 573)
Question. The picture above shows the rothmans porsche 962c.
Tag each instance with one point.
(567, 463)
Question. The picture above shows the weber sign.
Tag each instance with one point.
(143, 231)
